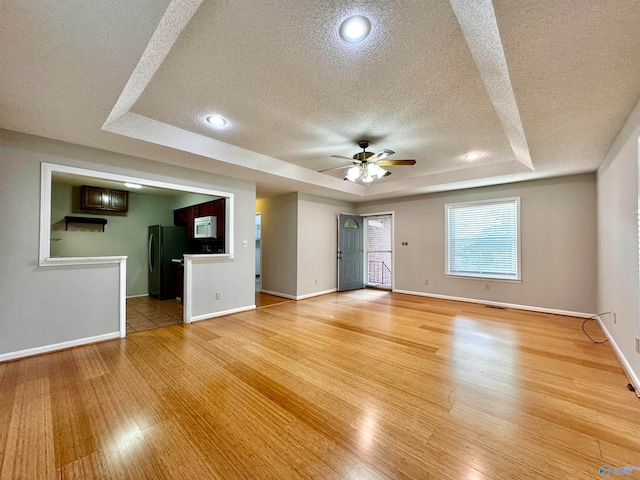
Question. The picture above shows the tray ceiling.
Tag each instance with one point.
(541, 88)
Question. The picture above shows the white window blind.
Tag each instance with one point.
(483, 239)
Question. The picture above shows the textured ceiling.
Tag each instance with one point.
(540, 87)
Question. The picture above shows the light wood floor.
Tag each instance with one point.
(357, 385)
(266, 300)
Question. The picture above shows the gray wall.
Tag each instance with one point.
(318, 242)
(187, 199)
(558, 227)
(234, 279)
(279, 243)
(299, 243)
(48, 305)
(124, 234)
(618, 278)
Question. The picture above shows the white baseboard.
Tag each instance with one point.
(140, 295)
(316, 294)
(633, 377)
(278, 294)
(500, 304)
(57, 346)
(631, 374)
(299, 297)
(222, 313)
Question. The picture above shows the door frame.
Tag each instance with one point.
(259, 257)
(393, 242)
(365, 265)
(339, 252)
(366, 252)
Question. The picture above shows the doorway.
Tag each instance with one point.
(258, 252)
(378, 251)
(146, 313)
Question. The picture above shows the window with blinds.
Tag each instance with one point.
(483, 239)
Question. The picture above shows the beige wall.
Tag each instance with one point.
(618, 279)
(558, 227)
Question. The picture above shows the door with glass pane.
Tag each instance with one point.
(350, 252)
(379, 251)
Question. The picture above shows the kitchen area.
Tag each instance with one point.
(153, 227)
(197, 229)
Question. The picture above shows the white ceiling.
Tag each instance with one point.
(540, 87)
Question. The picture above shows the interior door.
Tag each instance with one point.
(350, 252)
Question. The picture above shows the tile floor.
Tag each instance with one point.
(145, 313)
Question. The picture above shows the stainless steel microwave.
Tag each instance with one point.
(205, 227)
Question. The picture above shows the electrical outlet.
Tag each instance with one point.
(218, 295)
(487, 286)
(244, 243)
(426, 282)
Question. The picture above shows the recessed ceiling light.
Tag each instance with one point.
(473, 155)
(355, 29)
(132, 185)
(217, 120)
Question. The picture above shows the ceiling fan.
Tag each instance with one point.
(367, 166)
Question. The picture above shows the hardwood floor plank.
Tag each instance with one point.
(8, 384)
(30, 449)
(364, 384)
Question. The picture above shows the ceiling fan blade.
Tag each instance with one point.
(380, 155)
(335, 168)
(341, 157)
(396, 162)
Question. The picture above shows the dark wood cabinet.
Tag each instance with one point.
(177, 272)
(103, 199)
(118, 201)
(184, 217)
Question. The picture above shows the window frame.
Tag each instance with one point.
(484, 276)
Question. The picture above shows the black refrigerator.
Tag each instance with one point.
(165, 244)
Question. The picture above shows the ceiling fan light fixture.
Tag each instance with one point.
(355, 29)
(375, 171)
(366, 166)
(353, 173)
(366, 172)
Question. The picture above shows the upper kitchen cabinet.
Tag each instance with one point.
(103, 199)
(185, 216)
